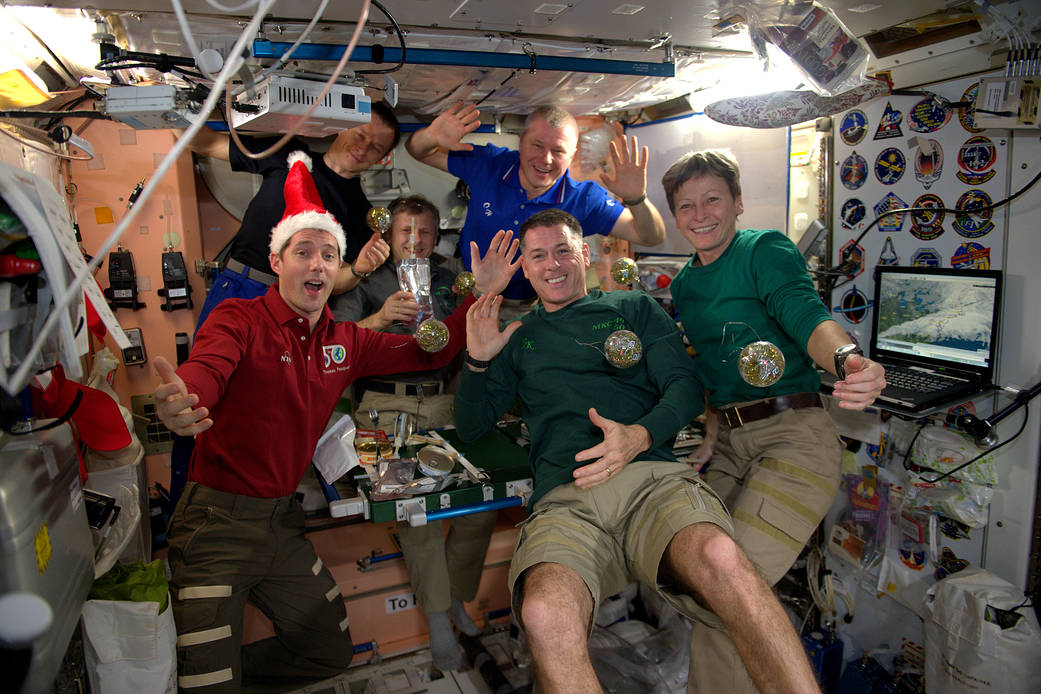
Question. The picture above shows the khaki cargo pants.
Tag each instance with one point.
(778, 477)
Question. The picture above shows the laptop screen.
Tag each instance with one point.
(937, 316)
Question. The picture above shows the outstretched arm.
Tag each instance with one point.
(484, 392)
(373, 254)
(865, 378)
(175, 406)
(432, 144)
(640, 223)
(208, 143)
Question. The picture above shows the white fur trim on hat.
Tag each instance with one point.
(299, 155)
(323, 221)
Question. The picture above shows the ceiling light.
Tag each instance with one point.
(627, 9)
(550, 8)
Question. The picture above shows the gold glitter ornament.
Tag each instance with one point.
(624, 271)
(761, 364)
(464, 283)
(378, 219)
(432, 335)
(623, 348)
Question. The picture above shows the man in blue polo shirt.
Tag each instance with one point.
(508, 186)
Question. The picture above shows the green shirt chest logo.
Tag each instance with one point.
(612, 324)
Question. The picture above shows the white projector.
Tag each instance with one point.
(279, 101)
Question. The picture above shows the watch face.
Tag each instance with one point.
(840, 358)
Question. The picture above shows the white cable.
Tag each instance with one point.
(303, 37)
(186, 31)
(823, 595)
(363, 15)
(21, 376)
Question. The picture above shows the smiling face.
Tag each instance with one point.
(306, 268)
(356, 149)
(555, 260)
(545, 154)
(398, 236)
(706, 213)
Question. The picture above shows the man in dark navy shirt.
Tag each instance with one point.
(337, 176)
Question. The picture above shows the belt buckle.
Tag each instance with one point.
(735, 413)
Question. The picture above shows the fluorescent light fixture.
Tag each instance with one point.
(627, 9)
(550, 8)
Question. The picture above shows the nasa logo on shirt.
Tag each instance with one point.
(333, 354)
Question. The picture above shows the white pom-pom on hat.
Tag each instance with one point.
(304, 208)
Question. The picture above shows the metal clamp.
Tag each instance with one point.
(412, 511)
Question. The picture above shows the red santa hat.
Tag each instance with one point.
(304, 208)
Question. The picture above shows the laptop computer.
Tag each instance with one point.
(935, 332)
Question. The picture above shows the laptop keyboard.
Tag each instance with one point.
(917, 381)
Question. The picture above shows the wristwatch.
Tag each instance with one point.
(360, 275)
(475, 362)
(841, 354)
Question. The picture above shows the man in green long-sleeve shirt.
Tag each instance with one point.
(611, 505)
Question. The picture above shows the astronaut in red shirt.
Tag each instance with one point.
(262, 380)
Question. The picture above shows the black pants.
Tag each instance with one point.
(227, 549)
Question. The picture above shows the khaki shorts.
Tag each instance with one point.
(778, 476)
(617, 532)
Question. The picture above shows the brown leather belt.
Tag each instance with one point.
(398, 388)
(738, 416)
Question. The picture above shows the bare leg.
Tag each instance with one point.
(706, 561)
(556, 610)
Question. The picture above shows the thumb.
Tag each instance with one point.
(166, 372)
(597, 420)
(510, 329)
(855, 363)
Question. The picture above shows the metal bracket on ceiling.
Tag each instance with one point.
(530, 52)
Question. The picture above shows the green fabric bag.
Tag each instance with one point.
(137, 582)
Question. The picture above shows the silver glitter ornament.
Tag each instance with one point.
(432, 335)
(623, 348)
(761, 364)
(623, 271)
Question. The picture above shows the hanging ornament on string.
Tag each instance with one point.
(464, 283)
(623, 349)
(432, 335)
(378, 219)
(623, 271)
(761, 364)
